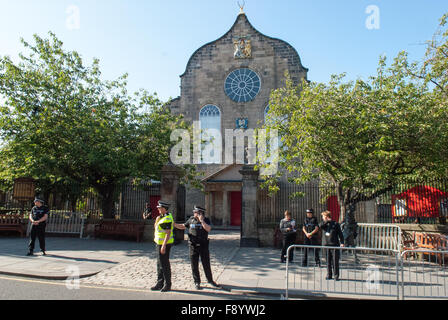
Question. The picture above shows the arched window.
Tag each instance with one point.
(266, 113)
(210, 119)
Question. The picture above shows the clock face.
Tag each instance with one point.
(242, 85)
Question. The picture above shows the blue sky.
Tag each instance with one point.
(152, 40)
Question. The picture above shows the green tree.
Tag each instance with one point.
(433, 69)
(61, 123)
(361, 136)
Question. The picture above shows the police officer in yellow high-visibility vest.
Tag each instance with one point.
(164, 239)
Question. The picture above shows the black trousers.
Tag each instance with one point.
(37, 232)
(200, 251)
(350, 242)
(311, 242)
(288, 240)
(163, 266)
(333, 257)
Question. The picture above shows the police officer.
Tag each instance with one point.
(331, 237)
(198, 229)
(38, 218)
(310, 229)
(164, 239)
(147, 214)
(289, 231)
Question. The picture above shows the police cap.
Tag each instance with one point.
(37, 199)
(163, 204)
(199, 209)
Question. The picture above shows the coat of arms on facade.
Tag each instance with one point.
(243, 48)
(242, 123)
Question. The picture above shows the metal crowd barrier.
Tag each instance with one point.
(363, 271)
(380, 236)
(64, 223)
(424, 274)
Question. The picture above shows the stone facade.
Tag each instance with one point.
(203, 83)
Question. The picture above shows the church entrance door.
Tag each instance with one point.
(236, 202)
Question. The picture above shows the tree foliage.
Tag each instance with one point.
(364, 136)
(63, 124)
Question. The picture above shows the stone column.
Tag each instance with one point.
(249, 225)
(169, 187)
(207, 201)
(211, 203)
(168, 193)
(225, 208)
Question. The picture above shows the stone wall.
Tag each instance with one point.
(266, 236)
(203, 81)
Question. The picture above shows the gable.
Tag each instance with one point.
(228, 174)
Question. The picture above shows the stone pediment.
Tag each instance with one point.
(228, 174)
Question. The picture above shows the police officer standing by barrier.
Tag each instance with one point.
(331, 237)
(310, 229)
(38, 218)
(198, 229)
(288, 229)
(164, 239)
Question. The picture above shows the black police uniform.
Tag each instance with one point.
(310, 225)
(332, 237)
(199, 248)
(148, 213)
(289, 238)
(38, 231)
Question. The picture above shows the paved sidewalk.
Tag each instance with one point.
(110, 262)
(255, 270)
(133, 265)
(141, 272)
(90, 256)
(259, 271)
(239, 270)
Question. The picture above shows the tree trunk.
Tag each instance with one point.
(349, 225)
(348, 199)
(347, 217)
(73, 199)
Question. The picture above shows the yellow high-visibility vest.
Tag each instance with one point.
(159, 233)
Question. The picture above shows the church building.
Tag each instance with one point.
(227, 85)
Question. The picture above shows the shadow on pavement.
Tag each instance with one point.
(80, 259)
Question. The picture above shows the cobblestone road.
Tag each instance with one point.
(141, 272)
